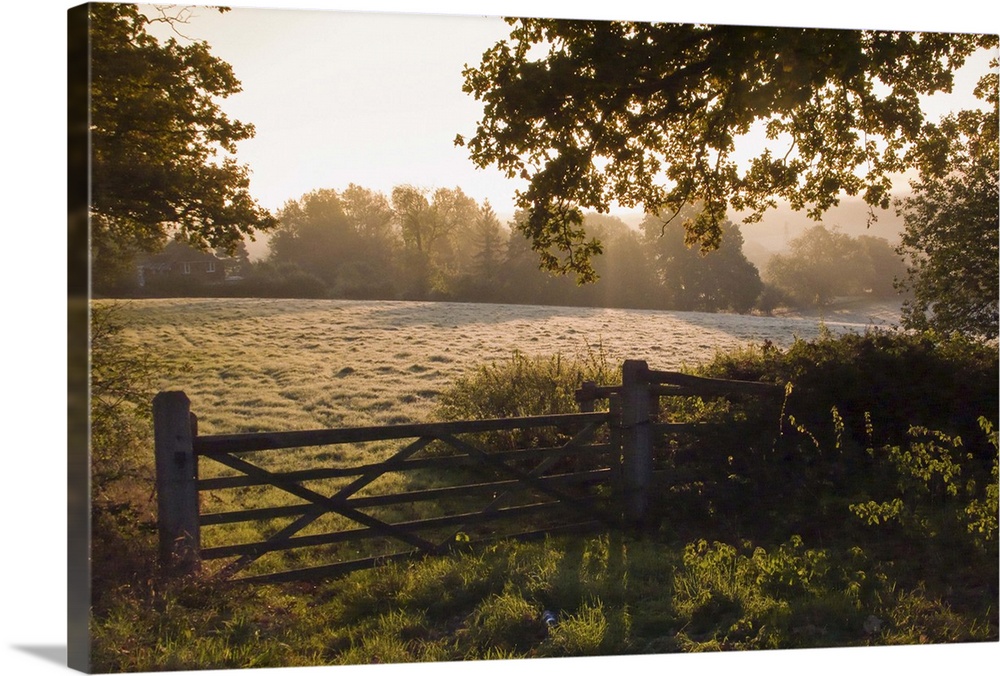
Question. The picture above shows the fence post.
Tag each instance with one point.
(586, 395)
(637, 441)
(616, 436)
(176, 483)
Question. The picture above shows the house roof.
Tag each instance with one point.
(176, 252)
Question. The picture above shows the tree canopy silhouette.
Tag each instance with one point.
(162, 150)
(650, 115)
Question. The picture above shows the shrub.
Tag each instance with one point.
(982, 514)
(930, 490)
(281, 280)
(802, 468)
(523, 386)
(899, 379)
(122, 384)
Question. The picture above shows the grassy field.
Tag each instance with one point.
(761, 552)
(261, 365)
(276, 365)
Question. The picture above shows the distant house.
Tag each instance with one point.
(181, 266)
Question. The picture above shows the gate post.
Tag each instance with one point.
(586, 395)
(637, 439)
(176, 483)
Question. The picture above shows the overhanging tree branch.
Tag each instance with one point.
(669, 93)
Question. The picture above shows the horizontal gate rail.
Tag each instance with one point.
(441, 462)
(360, 533)
(687, 385)
(671, 384)
(342, 568)
(265, 441)
(591, 476)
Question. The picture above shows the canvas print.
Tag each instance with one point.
(408, 337)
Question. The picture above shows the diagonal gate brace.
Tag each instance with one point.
(322, 504)
(525, 477)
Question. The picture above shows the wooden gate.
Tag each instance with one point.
(572, 472)
(568, 484)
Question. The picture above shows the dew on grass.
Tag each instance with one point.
(227, 353)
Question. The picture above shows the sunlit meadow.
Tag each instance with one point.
(251, 365)
(273, 365)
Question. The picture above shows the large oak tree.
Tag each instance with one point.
(650, 115)
(162, 149)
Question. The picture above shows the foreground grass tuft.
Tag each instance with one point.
(656, 597)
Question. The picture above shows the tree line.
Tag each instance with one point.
(420, 244)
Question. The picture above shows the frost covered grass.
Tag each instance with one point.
(253, 365)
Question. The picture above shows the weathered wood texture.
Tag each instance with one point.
(637, 439)
(623, 457)
(448, 462)
(176, 482)
(507, 466)
(634, 407)
(264, 441)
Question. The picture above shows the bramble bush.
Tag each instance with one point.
(883, 444)
(929, 491)
(901, 380)
(845, 395)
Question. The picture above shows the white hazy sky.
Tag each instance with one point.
(369, 97)
(340, 97)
